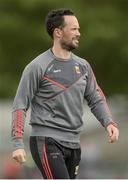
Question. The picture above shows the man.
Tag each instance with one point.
(55, 84)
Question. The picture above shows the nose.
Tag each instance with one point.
(78, 33)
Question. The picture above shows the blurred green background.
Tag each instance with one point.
(103, 43)
(104, 40)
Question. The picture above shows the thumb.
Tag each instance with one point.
(23, 159)
(109, 129)
(24, 156)
(24, 153)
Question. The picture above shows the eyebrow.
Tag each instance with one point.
(76, 28)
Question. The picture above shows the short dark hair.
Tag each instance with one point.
(55, 19)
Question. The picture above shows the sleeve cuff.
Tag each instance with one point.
(17, 143)
(112, 123)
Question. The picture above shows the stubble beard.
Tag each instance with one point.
(69, 46)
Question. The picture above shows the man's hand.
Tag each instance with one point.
(19, 155)
(113, 133)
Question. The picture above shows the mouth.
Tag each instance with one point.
(76, 41)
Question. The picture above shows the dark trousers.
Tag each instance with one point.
(54, 160)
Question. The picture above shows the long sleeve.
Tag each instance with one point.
(27, 88)
(97, 101)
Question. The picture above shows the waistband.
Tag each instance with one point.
(69, 136)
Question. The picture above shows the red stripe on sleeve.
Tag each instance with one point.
(19, 123)
(103, 96)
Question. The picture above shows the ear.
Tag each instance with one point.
(57, 32)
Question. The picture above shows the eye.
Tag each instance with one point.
(76, 29)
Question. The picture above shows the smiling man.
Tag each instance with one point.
(55, 84)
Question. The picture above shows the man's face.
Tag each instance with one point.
(69, 39)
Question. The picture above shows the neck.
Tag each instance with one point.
(61, 53)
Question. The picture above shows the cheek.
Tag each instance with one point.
(68, 34)
(67, 38)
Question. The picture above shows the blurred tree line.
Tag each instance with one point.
(104, 40)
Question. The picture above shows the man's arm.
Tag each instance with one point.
(27, 88)
(99, 107)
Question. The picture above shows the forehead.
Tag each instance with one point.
(71, 21)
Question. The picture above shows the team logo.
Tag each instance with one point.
(77, 69)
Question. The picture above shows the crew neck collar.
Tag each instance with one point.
(58, 58)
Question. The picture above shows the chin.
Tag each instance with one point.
(76, 46)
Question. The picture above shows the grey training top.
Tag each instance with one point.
(55, 89)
